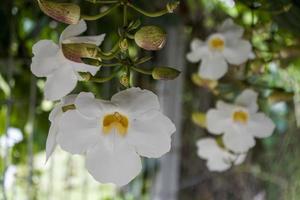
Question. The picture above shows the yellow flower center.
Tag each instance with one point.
(216, 43)
(240, 117)
(117, 121)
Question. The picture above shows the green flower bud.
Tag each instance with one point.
(124, 80)
(165, 73)
(123, 45)
(76, 51)
(68, 13)
(151, 38)
(199, 119)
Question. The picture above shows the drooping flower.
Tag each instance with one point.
(225, 46)
(55, 119)
(114, 134)
(218, 158)
(240, 122)
(49, 61)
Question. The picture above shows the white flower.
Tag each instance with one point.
(10, 176)
(114, 134)
(218, 158)
(49, 61)
(14, 136)
(55, 119)
(240, 122)
(226, 46)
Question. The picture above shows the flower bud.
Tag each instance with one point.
(172, 6)
(165, 73)
(123, 45)
(124, 80)
(76, 51)
(199, 119)
(202, 82)
(68, 13)
(151, 38)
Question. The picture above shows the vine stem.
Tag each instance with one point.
(148, 14)
(100, 15)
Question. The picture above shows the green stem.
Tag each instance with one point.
(103, 1)
(148, 14)
(125, 20)
(110, 64)
(105, 79)
(111, 54)
(142, 71)
(100, 15)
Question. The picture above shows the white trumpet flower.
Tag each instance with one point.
(225, 46)
(55, 119)
(114, 134)
(218, 158)
(62, 73)
(240, 122)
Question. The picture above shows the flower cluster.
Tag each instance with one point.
(238, 125)
(225, 46)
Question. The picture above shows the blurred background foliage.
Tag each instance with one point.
(272, 169)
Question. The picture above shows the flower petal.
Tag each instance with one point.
(136, 101)
(260, 125)
(73, 30)
(96, 40)
(217, 158)
(229, 27)
(119, 165)
(81, 67)
(78, 133)
(44, 61)
(207, 147)
(237, 52)
(213, 67)
(149, 140)
(238, 140)
(217, 121)
(90, 107)
(60, 83)
(248, 98)
(51, 140)
(197, 54)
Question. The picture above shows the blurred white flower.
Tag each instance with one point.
(10, 176)
(240, 122)
(114, 134)
(14, 136)
(55, 119)
(49, 61)
(218, 158)
(226, 46)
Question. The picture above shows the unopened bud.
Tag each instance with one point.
(76, 51)
(199, 119)
(165, 73)
(202, 82)
(123, 45)
(151, 38)
(172, 6)
(85, 76)
(68, 13)
(124, 80)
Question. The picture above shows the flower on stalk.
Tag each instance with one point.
(49, 61)
(114, 134)
(225, 46)
(55, 119)
(240, 122)
(218, 158)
